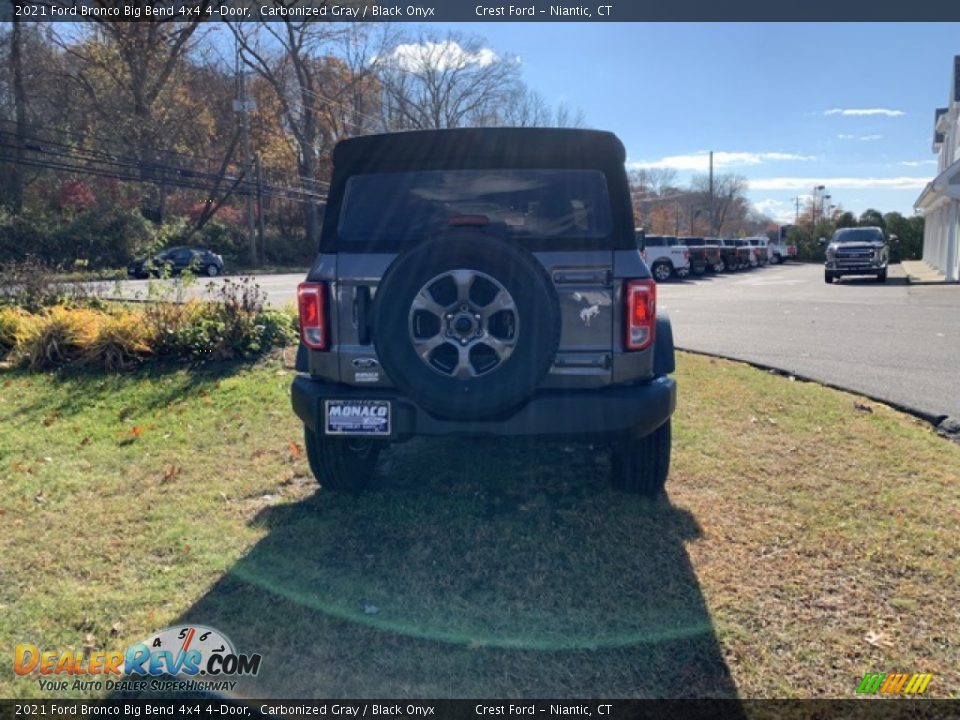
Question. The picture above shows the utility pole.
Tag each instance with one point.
(242, 107)
(260, 242)
(677, 224)
(796, 218)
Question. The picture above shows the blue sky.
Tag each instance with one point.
(761, 94)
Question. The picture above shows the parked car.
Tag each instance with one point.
(175, 260)
(704, 255)
(482, 281)
(748, 253)
(730, 255)
(857, 251)
(761, 249)
(665, 256)
(780, 251)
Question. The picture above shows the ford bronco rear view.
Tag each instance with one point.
(482, 282)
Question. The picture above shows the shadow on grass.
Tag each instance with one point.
(476, 569)
(80, 388)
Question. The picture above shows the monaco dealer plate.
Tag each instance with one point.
(357, 417)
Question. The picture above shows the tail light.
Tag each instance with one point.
(312, 301)
(686, 254)
(641, 313)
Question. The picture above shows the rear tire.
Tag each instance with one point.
(341, 464)
(662, 270)
(212, 270)
(640, 465)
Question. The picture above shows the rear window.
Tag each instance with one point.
(395, 208)
(693, 242)
(655, 241)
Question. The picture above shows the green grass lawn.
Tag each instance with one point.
(810, 537)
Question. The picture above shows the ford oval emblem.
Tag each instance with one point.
(365, 363)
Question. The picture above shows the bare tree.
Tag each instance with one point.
(442, 81)
(321, 98)
(728, 205)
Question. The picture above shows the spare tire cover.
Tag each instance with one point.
(466, 324)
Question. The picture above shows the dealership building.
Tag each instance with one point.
(940, 200)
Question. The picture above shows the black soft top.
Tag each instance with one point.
(484, 148)
(480, 148)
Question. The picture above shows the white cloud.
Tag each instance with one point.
(860, 112)
(700, 161)
(837, 183)
(441, 55)
(782, 211)
(916, 163)
(862, 138)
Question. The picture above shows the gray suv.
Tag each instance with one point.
(857, 251)
(482, 282)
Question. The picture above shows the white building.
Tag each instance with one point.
(940, 200)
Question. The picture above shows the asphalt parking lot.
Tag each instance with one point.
(896, 342)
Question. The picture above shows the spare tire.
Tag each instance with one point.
(466, 324)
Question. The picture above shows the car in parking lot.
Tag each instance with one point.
(176, 260)
(781, 251)
(704, 254)
(857, 251)
(761, 249)
(477, 282)
(665, 256)
(730, 255)
(748, 252)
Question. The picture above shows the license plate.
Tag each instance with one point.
(357, 417)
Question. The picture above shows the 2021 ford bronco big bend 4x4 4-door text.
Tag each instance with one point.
(482, 282)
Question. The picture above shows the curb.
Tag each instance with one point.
(946, 426)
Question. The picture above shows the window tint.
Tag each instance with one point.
(867, 234)
(402, 207)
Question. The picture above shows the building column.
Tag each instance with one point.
(926, 238)
(951, 271)
(942, 246)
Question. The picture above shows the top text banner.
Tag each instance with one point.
(857, 11)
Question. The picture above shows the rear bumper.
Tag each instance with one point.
(552, 413)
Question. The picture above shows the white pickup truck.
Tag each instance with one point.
(665, 256)
(780, 251)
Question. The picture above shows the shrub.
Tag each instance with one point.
(22, 234)
(109, 238)
(57, 336)
(11, 318)
(167, 327)
(121, 340)
(33, 285)
(280, 328)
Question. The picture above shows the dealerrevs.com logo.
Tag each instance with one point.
(183, 658)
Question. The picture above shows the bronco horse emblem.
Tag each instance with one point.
(589, 313)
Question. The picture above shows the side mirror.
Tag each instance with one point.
(894, 240)
(823, 241)
(641, 241)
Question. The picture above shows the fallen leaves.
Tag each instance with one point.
(878, 639)
(170, 472)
